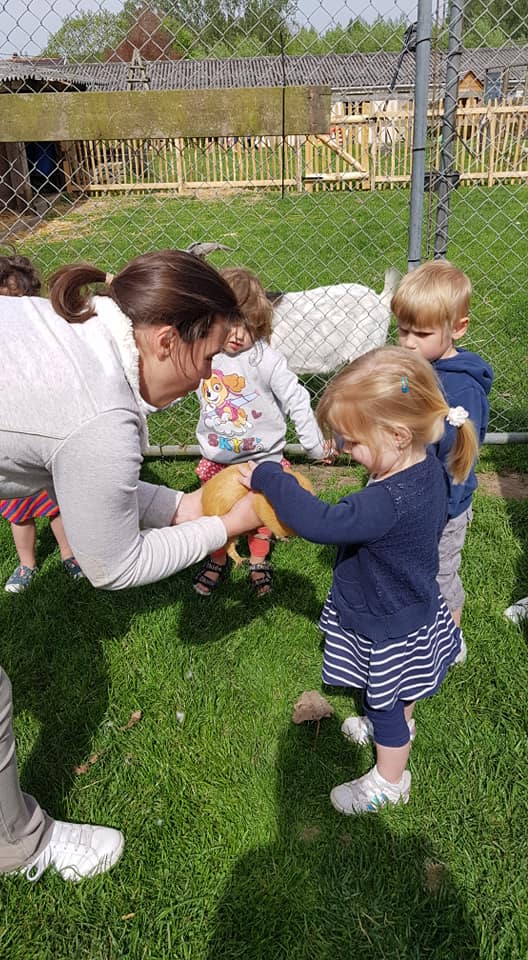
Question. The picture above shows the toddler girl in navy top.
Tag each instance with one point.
(387, 629)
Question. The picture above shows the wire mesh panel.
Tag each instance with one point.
(322, 217)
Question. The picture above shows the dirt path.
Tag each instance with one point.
(509, 485)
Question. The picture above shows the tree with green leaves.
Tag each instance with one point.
(357, 36)
(86, 35)
(495, 22)
(230, 24)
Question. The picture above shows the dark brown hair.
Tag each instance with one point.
(18, 277)
(164, 287)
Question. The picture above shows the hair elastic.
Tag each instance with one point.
(404, 384)
(456, 416)
(108, 279)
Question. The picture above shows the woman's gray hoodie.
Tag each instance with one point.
(72, 422)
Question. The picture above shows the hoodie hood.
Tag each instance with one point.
(466, 381)
(470, 364)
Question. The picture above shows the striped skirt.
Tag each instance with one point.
(400, 668)
(27, 508)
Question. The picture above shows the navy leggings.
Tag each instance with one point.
(390, 726)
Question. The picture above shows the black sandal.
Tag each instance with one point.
(262, 583)
(203, 579)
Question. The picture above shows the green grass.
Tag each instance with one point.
(233, 850)
(305, 240)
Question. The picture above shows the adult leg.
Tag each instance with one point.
(25, 829)
(30, 841)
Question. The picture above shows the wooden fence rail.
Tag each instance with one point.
(371, 150)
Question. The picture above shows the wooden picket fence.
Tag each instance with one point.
(369, 150)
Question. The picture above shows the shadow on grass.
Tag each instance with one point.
(53, 639)
(234, 604)
(517, 511)
(332, 887)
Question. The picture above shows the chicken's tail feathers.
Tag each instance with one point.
(392, 279)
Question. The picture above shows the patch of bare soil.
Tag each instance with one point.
(510, 486)
(322, 477)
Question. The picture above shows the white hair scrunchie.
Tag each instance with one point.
(456, 416)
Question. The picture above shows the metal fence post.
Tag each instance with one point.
(449, 127)
(421, 99)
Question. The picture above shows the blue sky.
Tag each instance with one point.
(25, 25)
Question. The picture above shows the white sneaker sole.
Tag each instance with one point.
(518, 611)
(378, 802)
(70, 874)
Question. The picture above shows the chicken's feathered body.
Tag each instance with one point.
(319, 330)
(222, 491)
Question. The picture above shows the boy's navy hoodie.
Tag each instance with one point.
(466, 380)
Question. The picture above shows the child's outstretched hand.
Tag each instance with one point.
(246, 472)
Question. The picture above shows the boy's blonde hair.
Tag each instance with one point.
(252, 300)
(434, 296)
(386, 389)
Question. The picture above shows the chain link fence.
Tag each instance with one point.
(326, 211)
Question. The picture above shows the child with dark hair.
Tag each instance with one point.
(19, 278)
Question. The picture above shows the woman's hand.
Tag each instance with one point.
(189, 507)
(246, 472)
(241, 518)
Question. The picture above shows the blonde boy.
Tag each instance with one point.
(431, 306)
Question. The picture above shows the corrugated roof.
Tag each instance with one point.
(371, 72)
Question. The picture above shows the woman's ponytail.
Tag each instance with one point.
(68, 294)
(162, 287)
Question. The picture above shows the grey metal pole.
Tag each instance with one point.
(421, 99)
(187, 451)
(447, 157)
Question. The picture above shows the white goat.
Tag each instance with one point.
(319, 330)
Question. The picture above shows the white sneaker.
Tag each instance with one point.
(461, 656)
(370, 793)
(360, 729)
(77, 850)
(518, 611)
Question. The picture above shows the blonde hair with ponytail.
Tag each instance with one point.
(390, 388)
